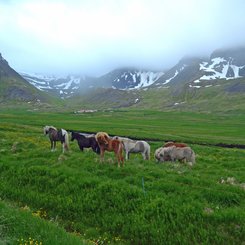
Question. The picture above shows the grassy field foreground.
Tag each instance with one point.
(142, 203)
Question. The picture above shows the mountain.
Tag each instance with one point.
(65, 87)
(59, 86)
(223, 64)
(194, 83)
(13, 87)
(187, 69)
(215, 83)
(132, 78)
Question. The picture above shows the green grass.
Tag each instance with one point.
(181, 126)
(21, 226)
(142, 203)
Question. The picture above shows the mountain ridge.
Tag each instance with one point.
(197, 72)
(194, 83)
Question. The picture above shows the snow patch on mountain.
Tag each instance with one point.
(177, 72)
(219, 68)
(129, 80)
(147, 78)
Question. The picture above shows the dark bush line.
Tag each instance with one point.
(223, 145)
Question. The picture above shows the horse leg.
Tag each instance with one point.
(51, 143)
(63, 146)
(119, 158)
(54, 145)
(94, 148)
(122, 159)
(127, 155)
(148, 154)
(102, 152)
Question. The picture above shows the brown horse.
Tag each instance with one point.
(108, 144)
(170, 143)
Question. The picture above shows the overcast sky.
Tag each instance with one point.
(95, 36)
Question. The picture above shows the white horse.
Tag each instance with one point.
(57, 135)
(132, 146)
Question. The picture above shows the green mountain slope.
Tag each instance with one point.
(223, 96)
(13, 88)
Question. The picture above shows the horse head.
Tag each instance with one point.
(102, 138)
(47, 128)
(72, 135)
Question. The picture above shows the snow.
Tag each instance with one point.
(36, 81)
(191, 86)
(145, 78)
(68, 84)
(179, 103)
(47, 78)
(168, 80)
(218, 61)
(134, 78)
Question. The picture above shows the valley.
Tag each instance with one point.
(72, 198)
(77, 200)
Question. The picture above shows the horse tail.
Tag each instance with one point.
(120, 150)
(119, 147)
(66, 136)
(193, 157)
(148, 152)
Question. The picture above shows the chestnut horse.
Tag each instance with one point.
(170, 143)
(108, 144)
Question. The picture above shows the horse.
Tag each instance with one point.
(108, 144)
(182, 154)
(132, 146)
(160, 156)
(170, 143)
(86, 142)
(57, 135)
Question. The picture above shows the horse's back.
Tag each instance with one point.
(170, 143)
(138, 146)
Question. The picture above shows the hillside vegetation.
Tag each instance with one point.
(142, 203)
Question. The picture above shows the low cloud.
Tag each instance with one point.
(94, 37)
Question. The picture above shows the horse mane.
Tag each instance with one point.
(50, 127)
(47, 128)
(79, 135)
(102, 137)
(124, 139)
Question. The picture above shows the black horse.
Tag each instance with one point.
(85, 142)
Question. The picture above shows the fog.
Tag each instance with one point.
(93, 37)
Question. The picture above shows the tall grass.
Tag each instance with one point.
(100, 202)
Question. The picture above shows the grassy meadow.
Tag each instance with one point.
(72, 198)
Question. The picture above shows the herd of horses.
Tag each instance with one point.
(101, 142)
